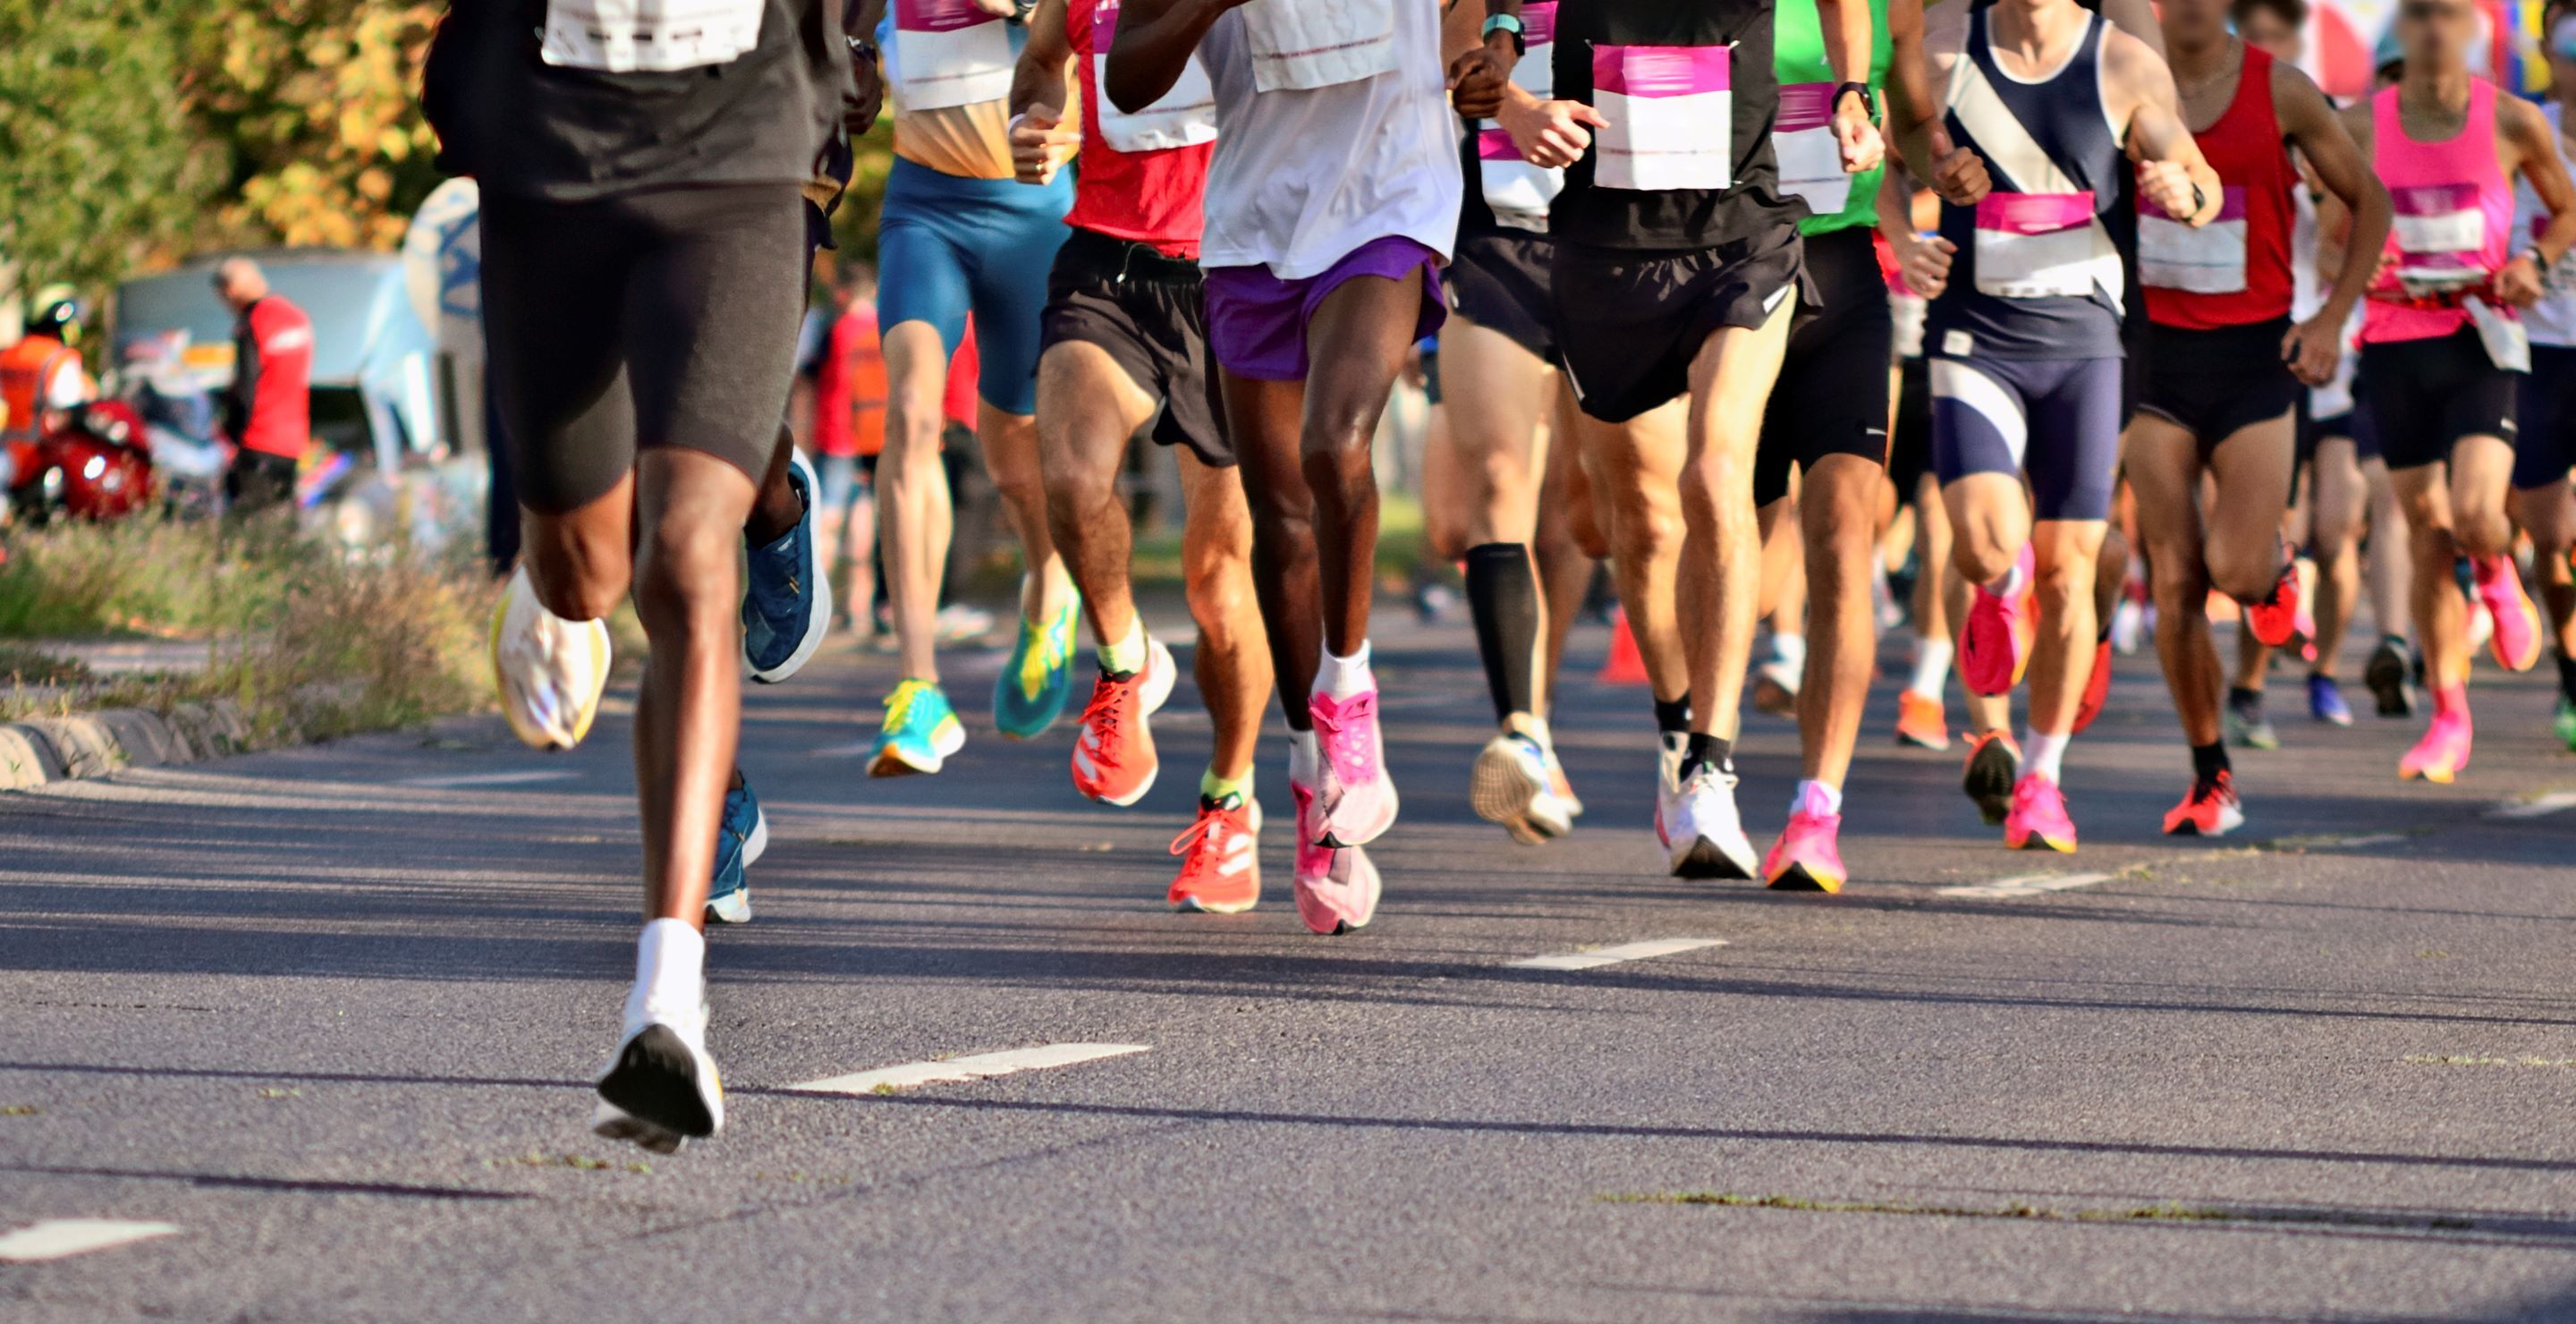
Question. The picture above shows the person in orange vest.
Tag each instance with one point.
(40, 376)
(268, 410)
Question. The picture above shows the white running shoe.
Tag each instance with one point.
(1673, 747)
(1511, 784)
(1706, 833)
(1775, 686)
(660, 1089)
(1563, 786)
(550, 671)
(2128, 626)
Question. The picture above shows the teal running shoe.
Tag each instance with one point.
(921, 731)
(1030, 693)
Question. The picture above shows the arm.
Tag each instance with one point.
(2138, 19)
(1039, 145)
(1914, 113)
(2172, 173)
(859, 19)
(2315, 346)
(1846, 28)
(245, 388)
(1155, 39)
(1480, 66)
(2526, 133)
(1925, 261)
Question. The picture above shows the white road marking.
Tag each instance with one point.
(854, 749)
(1601, 956)
(493, 779)
(2033, 884)
(957, 1070)
(56, 1238)
(2547, 804)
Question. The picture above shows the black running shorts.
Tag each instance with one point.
(1832, 395)
(2546, 450)
(1629, 323)
(658, 318)
(1148, 312)
(2215, 383)
(1498, 279)
(1909, 450)
(2424, 395)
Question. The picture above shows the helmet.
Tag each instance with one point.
(58, 314)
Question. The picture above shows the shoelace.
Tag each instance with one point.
(1204, 842)
(899, 703)
(1340, 735)
(1101, 719)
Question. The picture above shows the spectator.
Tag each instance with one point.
(268, 412)
(40, 376)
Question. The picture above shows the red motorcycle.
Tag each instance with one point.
(93, 465)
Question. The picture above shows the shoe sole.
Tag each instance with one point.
(1331, 840)
(2437, 776)
(655, 1082)
(753, 847)
(890, 761)
(1909, 740)
(2386, 678)
(818, 627)
(1797, 878)
(2041, 841)
(1705, 861)
(1199, 905)
(611, 1122)
(1989, 785)
(1499, 793)
(2225, 826)
(1770, 696)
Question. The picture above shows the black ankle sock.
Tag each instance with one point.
(2207, 761)
(2567, 676)
(1672, 716)
(1708, 752)
(1502, 596)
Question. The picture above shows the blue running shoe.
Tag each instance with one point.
(787, 603)
(1031, 691)
(2325, 702)
(921, 731)
(740, 840)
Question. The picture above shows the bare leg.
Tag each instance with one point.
(1010, 446)
(2334, 525)
(1731, 379)
(1564, 565)
(1639, 466)
(1232, 661)
(917, 518)
(2548, 514)
(1836, 506)
(2163, 464)
(1499, 398)
(1087, 409)
(2391, 572)
(1367, 324)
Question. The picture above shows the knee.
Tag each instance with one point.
(687, 576)
(2061, 583)
(1220, 591)
(575, 596)
(1980, 557)
(2243, 574)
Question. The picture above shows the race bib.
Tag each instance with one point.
(2207, 260)
(1299, 45)
(950, 53)
(1910, 311)
(1520, 192)
(1182, 117)
(2508, 345)
(648, 36)
(2440, 236)
(2038, 246)
(1670, 117)
(1802, 141)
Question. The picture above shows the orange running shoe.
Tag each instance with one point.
(2275, 621)
(2097, 687)
(1220, 859)
(1920, 722)
(1113, 757)
(2210, 810)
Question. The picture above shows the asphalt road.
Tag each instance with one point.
(323, 1019)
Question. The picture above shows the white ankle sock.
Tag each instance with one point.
(1305, 758)
(1342, 677)
(1814, 797)
(1931, 668)
(670, 974)
(2043, 754)
(1126, 656)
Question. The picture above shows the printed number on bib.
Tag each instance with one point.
(2440, 234)
(1182, 117)
(950, 53)
(2036, 245)
(1670, 114)
(1518, 191)
(2207, 260)
(648, 36)
(1299, 45)
(1802, 139)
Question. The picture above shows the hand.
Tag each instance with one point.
(1862, 147)
(1958, 174)
(1477, 77)
(2314, 349)
(1551, 134)
(1038, 147)
(1926, 264)
(2518, 283)
(2168, 185)
(865, 100)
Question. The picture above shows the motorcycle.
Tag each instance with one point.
(92, 464)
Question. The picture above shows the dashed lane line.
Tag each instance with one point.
(57, 1238)
(2547, 804)
(1601, 956)
(492, 779)
(2032, 884)
(958, 1070)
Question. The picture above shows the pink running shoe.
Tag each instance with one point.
(2516, 641)
(1995, 646)
(2038, 820)
(1354, 798)
(1337, 890)
(1806, 858)
(2442, 753)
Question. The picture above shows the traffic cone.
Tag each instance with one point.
(1626, 666)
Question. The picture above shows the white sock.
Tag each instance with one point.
(1814, 797)
(1342, 677)
(1125, 656)
(2044, 754)
(1789, 648)
(1931, 668)
(670, 974)
(1305, 758)
(2013, 582)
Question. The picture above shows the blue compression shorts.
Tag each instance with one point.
(946, 245)
(2055, 420)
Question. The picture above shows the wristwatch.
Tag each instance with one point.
(862, 50)
(1510, 23)
(1868, 103)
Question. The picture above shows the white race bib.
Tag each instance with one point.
(1520, 192)
(2040, 246)
(2207, 260)
(648, 36)
(1802, 141)
(950, 53)
(2441, 238)
(1299, 45)
(1670, 113)
(2508, 344)
(1182, 117)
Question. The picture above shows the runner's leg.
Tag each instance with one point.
(1361, 329)
(1731, 378)
(915, 518)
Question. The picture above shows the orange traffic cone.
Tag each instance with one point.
(1626, 666)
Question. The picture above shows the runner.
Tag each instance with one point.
(959, 235)
(2546, 449)
(2026, 344)
(845, 374)
(1686, 256)
(2226, 366)
(629, 169)
(1125, 338)
(2442, 339)
(1916, 267)
(1332, 200)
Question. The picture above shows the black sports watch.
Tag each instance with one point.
(1868, 102)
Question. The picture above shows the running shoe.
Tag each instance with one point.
(1921, 722)
(2097, 688)
(1113, 758)
(740, 841)
(660, 1089)
(2566, 722)
(1994, 762)
(2247, 726)
(2305, 625)
(1337, 890)
(2443, 752)
(2325, 701)
(2211, 809)
(550, 671)
(1220, 858)
(2275, 620)
(2128, 625)
(2516, 641)
(921, 731)
(1995, 646)
(2038, 819)
(1671, 748)
(1706, 838)
(787, 598)
(2390, 676)
(1775, 687)
(1038, 679)
(1354, 796)
(1806, 858)
(1558, 782)
(1511, 785)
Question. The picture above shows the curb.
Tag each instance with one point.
(58, 749)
